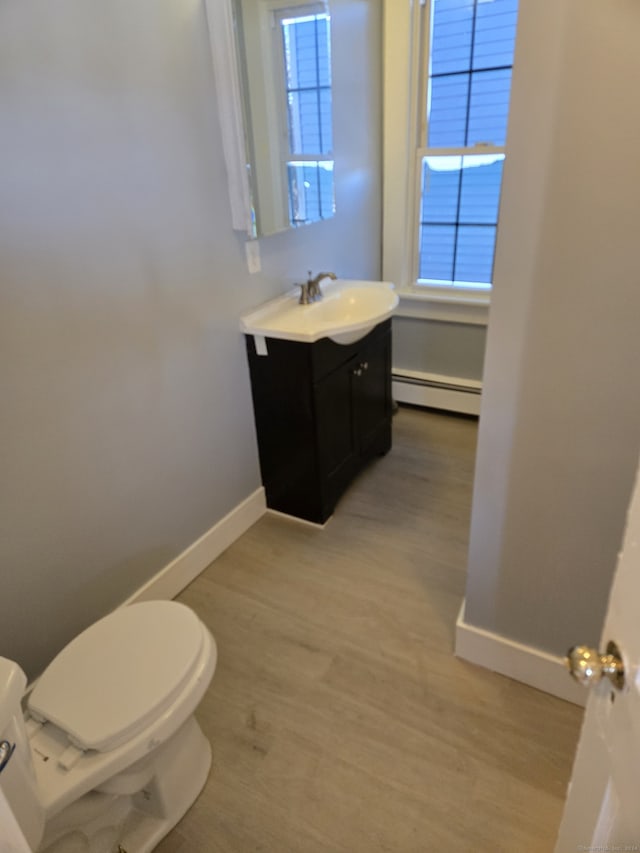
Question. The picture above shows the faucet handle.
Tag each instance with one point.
(304, 293)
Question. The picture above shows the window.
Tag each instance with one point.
(466, 79)
(307, 80)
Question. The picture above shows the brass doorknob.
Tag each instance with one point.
(588, 667)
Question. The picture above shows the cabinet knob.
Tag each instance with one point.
(357, 371)
(364, 365)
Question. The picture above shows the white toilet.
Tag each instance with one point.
(108, 756)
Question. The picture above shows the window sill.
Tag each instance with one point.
(445, 305)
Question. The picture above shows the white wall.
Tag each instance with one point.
(560, 422)
(126, 428)
(446, 349)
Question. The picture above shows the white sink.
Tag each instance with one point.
(348, 310)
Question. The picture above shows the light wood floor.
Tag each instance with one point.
(338, 716)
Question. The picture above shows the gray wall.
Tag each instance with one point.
(560, 422)
(126, 428)
(430, 346)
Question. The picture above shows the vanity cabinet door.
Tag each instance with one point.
(372, 396)
(336, 436)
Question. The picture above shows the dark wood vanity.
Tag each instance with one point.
(322, 412)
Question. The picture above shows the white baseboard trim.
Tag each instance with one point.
(436, 391)
(297, 520)
(523, 663)
(191, 562)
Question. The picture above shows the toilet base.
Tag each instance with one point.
(102, 822)
(183, 769)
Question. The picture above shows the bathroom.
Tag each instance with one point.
(127, 422)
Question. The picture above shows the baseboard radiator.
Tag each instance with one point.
(436, 391)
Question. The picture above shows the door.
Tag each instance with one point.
(373, 392)
(602, 811)
(336, 431)
(336, 437)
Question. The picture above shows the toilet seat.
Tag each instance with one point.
(120, 674)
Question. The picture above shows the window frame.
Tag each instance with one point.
(279, 11)
(424, 150)
(408, 30)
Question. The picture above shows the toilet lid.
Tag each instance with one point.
(120, 674)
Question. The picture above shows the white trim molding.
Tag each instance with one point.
(293, 518)
(400, 41)
(527, 664)
(224, 58)
(191, 562)
(445, 306)
(436, 391)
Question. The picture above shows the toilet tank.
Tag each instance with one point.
(17, 776)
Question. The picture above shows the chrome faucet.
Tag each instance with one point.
(310, 290)
(313, 284)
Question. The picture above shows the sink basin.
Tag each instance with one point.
(347, 312)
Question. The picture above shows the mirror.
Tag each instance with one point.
(283, 50)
